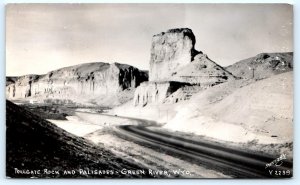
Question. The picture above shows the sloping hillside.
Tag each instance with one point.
(261, 111)
(262, 65)
(36, 144)
(202, 71)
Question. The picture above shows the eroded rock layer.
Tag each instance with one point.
(155, 92)
(91, 81)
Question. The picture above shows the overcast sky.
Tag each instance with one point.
(44, 37)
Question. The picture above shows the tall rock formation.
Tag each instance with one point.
(175, 59)
(171, 50)
(92, 82)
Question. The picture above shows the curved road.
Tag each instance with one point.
(238, 164)
(232, 162)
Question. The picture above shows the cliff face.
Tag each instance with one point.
(171, 50)
(92, 81)
(174, 59)
(155, 92)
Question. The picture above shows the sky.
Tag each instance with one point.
(45, 37)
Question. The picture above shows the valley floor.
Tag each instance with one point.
(102, 130)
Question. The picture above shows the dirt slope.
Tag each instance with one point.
(36, 144)
(261, 111)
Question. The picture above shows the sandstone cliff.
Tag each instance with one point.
(96, 83)
(155, 92)
(175, 59)
(171, 50)
(10, 80)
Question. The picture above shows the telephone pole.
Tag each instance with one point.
(252, 68)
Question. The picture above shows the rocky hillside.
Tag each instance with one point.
(34, 144)
(262, 65)
(97, 83)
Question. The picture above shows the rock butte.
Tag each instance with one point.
(174, 63)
